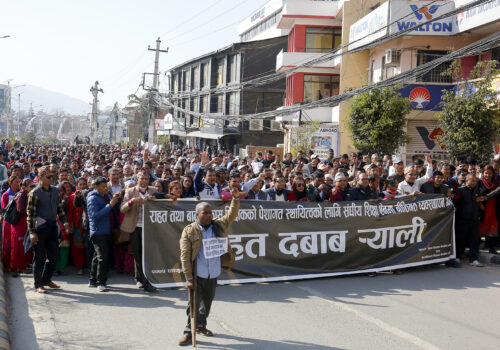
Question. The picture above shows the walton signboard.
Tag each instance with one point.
(408, 14)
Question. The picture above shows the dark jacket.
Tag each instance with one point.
(314, 194)
(99, 213)
(359, 193)
(271, 194)
(467, 207)
(428, 187)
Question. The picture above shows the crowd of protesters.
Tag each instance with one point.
(83, 204)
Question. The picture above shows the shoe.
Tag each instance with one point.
(139, 285)
(41, 290)
(52, 285)
(476, 264)
(79, 272)
(92, 284)
(102, 288)
(149, 288)
(204, 331)
(15, 274)
(185, 340)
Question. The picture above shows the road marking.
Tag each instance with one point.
(377, 322)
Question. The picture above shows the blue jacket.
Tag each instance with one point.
(99, 214)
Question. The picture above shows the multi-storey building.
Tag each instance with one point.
(211, 87)
(263, 22)
(410, 50)
(315, 27)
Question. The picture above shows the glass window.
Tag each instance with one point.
(176, 84)
(231, 103)
(195, 77)
(322, 39)
(318, 87)
(216, 104)
(231, 69)
(203, 104)
(435, 75)
(204, 75)
(220, 72)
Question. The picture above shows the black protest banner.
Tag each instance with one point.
(296, 240)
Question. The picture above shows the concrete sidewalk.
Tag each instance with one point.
(4, 324)
(487, 258)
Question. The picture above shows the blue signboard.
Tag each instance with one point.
(425, 97)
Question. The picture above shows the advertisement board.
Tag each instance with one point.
(369, 28)
(324, 139)
(477, 16)
(408, 14)
(425, 97)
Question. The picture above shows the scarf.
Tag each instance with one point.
(300, 195)
(488, 185)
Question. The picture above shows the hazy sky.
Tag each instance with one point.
(66, 45)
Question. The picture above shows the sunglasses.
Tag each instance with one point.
(50, 177)
(300, 185)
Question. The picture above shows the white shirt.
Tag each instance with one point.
(405, 188)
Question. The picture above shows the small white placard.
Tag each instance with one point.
(214, 247)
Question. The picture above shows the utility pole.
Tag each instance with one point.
(153, 93)
(93, 118)
(18, 114)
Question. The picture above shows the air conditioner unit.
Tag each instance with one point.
(275, 126)
(256, 124)
(392, 56)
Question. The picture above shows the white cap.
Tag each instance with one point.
(339, 176)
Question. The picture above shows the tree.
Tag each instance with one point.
(377, 121)
(470, 118)
(49, 140)
(28, 138)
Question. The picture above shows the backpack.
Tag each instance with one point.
(11, 215)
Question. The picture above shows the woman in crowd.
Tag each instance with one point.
(299, 192)
(19, 259)
(174, 190)
(488, 224)
(65, 192)
(9, 241)
(75, 220)
(187, 187)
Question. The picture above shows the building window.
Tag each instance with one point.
(435, 75)
(186, 86)
(220, 72)
(232, 69)
(203, 104)
(262, 26)
(231, 103)
(318, 87)
(390, 68)
(195, 78)
(216, 104)
(176, 84)
(204, 75)
(322, 39)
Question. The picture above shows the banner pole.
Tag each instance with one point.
(192, 305)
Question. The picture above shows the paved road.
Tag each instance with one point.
(427, 308)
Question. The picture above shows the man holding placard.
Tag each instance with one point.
(204, 249)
